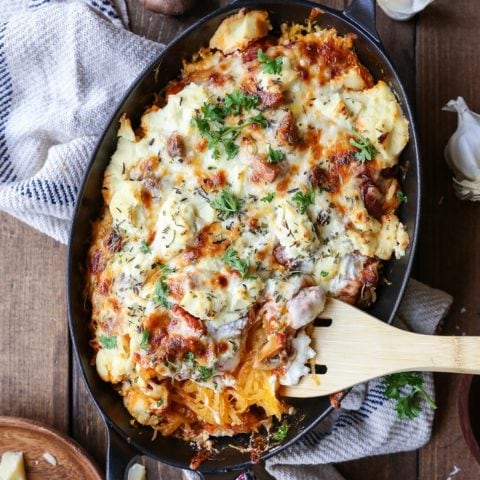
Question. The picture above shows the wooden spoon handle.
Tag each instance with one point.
(370, 349)
(435, 354)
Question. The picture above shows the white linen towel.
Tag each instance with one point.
(64, 66)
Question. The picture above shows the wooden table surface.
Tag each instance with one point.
(437, 57)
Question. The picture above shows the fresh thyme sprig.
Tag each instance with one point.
(407, 389)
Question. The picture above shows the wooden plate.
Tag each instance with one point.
(34, 439)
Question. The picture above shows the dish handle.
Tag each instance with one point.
(120, 455)
(363, 14)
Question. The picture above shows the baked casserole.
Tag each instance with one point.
(262, 180)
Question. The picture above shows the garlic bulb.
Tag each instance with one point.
(403, 9)
(463, 151)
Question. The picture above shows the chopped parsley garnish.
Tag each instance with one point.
(144, 248)
(281, 433)
(275, 156)
(365, 147)
(189, 357)
(161, 293)
(144, 341)
(161, 287)
(237, 100)
(108, 342)
(210, 123)
(159, 403)
(258, 119)
(270, 65)
(304, 199)
(239, 264)
(212, 112)
(402, 197)
(408, 404)
(268, 198)
(166, 269)
(205, 372)
(227, 203)
(323, 273)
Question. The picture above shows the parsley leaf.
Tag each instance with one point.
(233, 261)
(166, 269)
(212, 112)
(304, 199)
(205, 372)
(270, 65)
(237, 100)
(408, 404)
(365, 147)
(161, 293)
(275, 156)
(189, 357)
(259, 118)
(231, 148)
(161, 287)
(281, 433)
(211, 122)
(268, 198)
(144, 341)
(402, 197)
(323, 273)
(144, 248)
(227, 203)
(108, 342)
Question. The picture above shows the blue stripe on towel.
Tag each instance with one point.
(48, 191)
(103, 6)
(7, 173)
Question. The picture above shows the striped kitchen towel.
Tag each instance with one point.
(64, 67)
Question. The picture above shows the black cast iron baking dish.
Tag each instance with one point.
(124, 440)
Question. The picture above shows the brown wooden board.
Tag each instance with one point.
(448, 65)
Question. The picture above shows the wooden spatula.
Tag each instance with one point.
(357, 347)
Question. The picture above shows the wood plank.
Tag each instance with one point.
(449, 255)
(33, 342)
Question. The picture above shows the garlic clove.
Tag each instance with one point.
(462, 152)
(467, 190)
(403, 9)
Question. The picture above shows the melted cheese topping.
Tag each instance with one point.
(262, 183)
